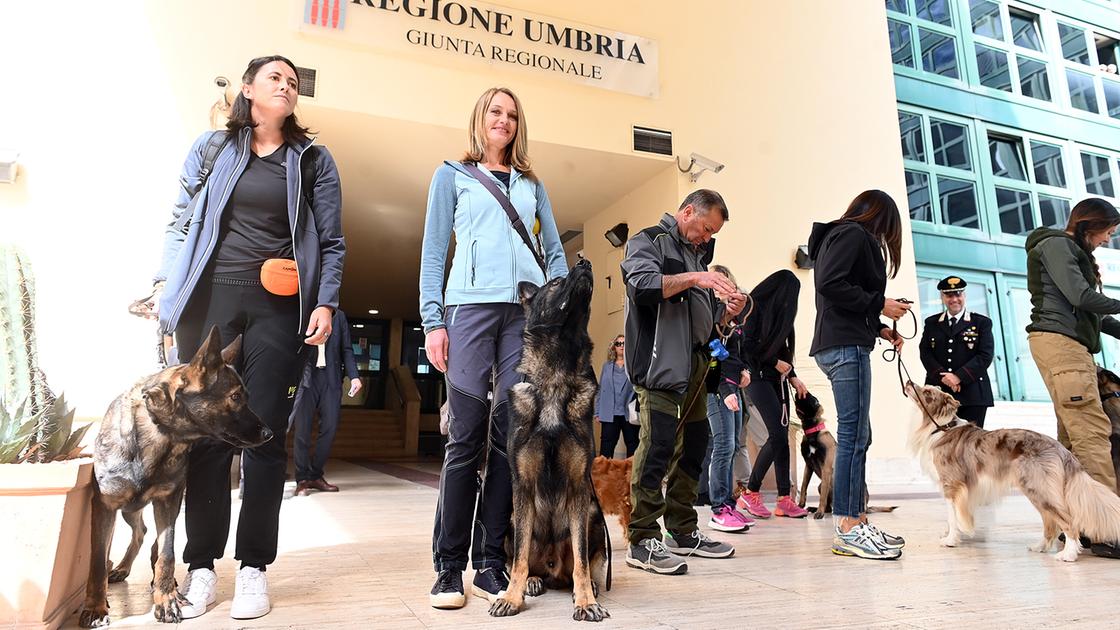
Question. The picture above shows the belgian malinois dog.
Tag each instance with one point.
(140, 457)
(558, 530)
(1108, 386)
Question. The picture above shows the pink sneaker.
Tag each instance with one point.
(786, 507)
(726, 519)
(751, 502)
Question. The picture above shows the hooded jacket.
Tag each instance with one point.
(1064, 294)
(314, 216)
(850, 278)
(662, 333)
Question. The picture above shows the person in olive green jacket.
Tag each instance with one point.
(1069, 312)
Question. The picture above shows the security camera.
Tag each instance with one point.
(701, 163)
(221, 82)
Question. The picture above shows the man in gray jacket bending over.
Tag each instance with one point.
(672, 305)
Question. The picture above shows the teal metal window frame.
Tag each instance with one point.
(916, 25)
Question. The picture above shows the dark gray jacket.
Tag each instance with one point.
(314, 215)
(662, 333)
(339, 354)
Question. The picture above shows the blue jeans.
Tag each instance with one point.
(726, 425)
(849, 370)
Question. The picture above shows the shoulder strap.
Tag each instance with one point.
(214, 145)
(514, 218)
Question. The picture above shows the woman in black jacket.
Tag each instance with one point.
(850, 276)
(768, 347)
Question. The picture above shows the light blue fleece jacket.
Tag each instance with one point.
(490, 258)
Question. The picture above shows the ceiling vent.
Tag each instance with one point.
(306, 81)
(569, 235)
(649, 140)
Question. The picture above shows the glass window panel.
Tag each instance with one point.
(939, 54)
(950, 144)
(993, 67)
(1112, 97)
(1074, 47)
(902, 52)
(917, 193)
(1106, 49)
(1015, 216)
(910, 129)
(1048, 167)
(1055, 211)
(958, 203)
(1082, 91)
(1025, 31)
(934, 11)
(897, 5)
(1034, 388)
(1032, 78)
(985, 19)
(1007, 158)
(1098, 179)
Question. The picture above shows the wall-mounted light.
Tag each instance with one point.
(373, 311)
(9, 166)
(701, 164)
(801, 257)
(618, 234)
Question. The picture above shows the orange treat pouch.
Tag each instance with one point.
(280, 276)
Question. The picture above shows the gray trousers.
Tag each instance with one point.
(756, 429)
(483, 352)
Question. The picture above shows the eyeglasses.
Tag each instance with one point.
(619, 344)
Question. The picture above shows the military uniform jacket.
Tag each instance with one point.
(966, 350)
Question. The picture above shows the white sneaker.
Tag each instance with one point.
(200, 589)
(250, 598)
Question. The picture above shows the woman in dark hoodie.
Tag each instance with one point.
(1069, 312)
(851, 258)
(768, 347)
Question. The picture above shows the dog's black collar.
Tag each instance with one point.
(1111, 395)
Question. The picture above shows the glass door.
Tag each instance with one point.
(1026, 381)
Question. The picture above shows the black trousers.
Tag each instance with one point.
(270, 347)
(974, 414)
(610, 432)
(767, 398)
(315, 394)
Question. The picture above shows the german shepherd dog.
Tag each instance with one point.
(140, 457)
(1108, 385)
(818, 449)
(558, 530)
(975, 467)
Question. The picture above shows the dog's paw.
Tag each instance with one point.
(590, 612)
(534, 587)
(97, 618)
(950, 541)
(503, 608)
(118, 575)
(1042, 546)
(167, 608)
(1068, 555)
(818, 515)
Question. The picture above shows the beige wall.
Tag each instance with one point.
(796, 98)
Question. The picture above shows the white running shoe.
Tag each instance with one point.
(200, 589)
(250, 597)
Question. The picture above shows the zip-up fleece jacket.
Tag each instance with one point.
(1064, 297)
(850, 278)
(315, 218)
(662, 333)
(490, 258)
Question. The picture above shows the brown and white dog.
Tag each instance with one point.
(611, 478)
(975, 467)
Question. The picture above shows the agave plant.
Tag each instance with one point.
(17, 427)
(46, 436)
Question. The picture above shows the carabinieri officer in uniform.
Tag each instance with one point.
(957, 348)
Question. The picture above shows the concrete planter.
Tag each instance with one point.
(44, 541)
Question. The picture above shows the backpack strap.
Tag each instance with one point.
(214, 145)
(514, 218)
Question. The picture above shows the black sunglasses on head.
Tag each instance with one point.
(620, 343)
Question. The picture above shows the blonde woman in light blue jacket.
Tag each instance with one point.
(473, 331)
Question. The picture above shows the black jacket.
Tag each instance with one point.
(339, 354)
(966, 350)
(850, 278)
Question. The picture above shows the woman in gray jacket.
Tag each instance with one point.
(615, 392)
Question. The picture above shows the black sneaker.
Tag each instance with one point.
(448, 590)
(1105, 550)
(490, 584)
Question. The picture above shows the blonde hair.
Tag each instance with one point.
(725, 272)
(516, 152)
(612, 350)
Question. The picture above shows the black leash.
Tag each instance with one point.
(606, 530)
(892, 354)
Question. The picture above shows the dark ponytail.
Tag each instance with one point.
(1088, 216)
(878, 214)
(241, 113)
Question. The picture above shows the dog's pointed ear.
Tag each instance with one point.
(526, 291)
(158, 401)
(209, 354)
(232, 352)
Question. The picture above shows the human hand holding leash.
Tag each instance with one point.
(435, 345)
(895, 309)
(799, 386)
(892, 336)
(319, 326)
(148, 307)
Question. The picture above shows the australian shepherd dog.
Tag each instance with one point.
(975, 467)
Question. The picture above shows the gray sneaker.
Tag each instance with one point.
(652, 555)
(697, 544)
(889, 540)
(862, 542)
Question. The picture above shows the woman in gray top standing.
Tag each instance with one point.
(615, 392)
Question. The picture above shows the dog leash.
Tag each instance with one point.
(606, 530)
(892, 354)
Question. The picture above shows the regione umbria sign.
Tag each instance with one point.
(466, 29)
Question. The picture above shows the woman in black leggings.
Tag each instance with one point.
(768, 344)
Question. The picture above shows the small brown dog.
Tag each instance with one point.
(611, 478)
